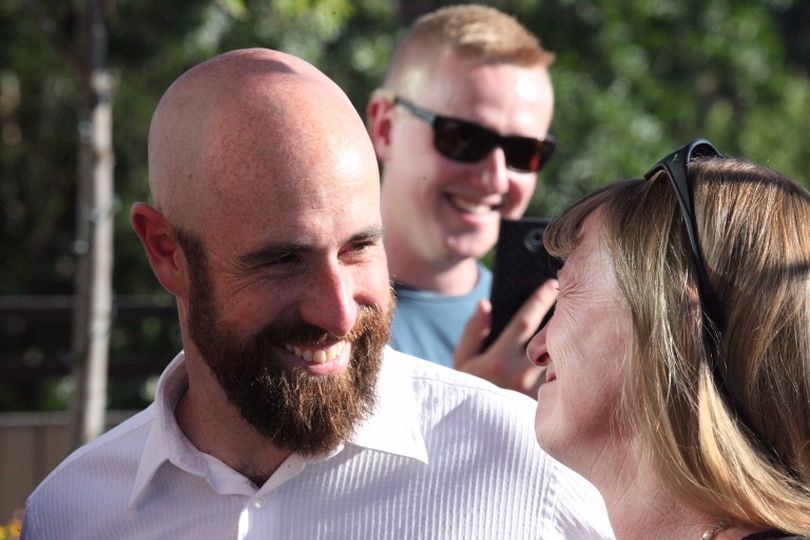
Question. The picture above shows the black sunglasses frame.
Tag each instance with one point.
(676, 167)
(544, 148)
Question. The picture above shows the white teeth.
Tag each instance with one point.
(471, 207)
(317, 356)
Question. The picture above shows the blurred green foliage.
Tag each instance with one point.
(633, 80)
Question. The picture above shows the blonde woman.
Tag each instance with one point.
(678, 358)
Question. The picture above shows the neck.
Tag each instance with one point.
(214, 427)
(640, 507)
(446, 278)
(420, 263)
(637, 513)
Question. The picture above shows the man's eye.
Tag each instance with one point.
(287, 258)
(359, 246)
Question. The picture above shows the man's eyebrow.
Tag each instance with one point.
(371, 234)
(273, 252)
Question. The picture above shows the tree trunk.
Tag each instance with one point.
(94, 239)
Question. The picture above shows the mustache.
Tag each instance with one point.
(280, 333)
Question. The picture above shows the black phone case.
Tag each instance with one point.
(521, 265)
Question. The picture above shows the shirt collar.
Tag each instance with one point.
(393, 427)
(166, 442)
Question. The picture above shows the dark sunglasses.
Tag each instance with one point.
(467, 142)
(676, 167)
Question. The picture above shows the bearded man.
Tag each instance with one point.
(285, 416)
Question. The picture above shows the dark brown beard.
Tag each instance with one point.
(295, 411)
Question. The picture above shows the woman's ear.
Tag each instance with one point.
(165, 255)
(380, 113)
(692, 297)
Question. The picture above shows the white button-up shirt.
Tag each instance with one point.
(444, 455)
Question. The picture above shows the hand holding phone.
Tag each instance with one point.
(521, 265)
(518, 304)
(505, 363)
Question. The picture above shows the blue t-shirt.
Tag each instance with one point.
(429, 325)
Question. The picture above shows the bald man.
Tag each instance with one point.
(285, 416)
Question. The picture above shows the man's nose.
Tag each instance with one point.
(493, 175)
(329, 301)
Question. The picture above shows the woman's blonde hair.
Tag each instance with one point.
(734, 442)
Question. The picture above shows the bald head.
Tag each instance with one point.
(244, 123)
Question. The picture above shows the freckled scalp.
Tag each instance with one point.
(249, 120)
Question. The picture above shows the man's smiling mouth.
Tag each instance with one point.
(470, 206)
(318, 354)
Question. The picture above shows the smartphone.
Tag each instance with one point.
(521, 265)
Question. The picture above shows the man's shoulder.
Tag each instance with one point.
(425, 370)
(439, 392)
(111, 459)
(429, 324)
(485, 434)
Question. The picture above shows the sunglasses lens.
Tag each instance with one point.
(468, 142)
(525, 154)
(522, 154)
(461, 141)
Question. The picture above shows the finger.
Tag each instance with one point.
(474, 333)
(528, 318)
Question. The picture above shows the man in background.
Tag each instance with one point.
(460, 127)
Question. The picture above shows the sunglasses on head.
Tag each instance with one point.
(676, 168)
(468, 142)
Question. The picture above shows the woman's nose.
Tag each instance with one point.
(536, 351)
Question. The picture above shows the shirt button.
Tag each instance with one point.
(259, 503)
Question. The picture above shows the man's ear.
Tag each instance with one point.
(165, 255)
(380, 113)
